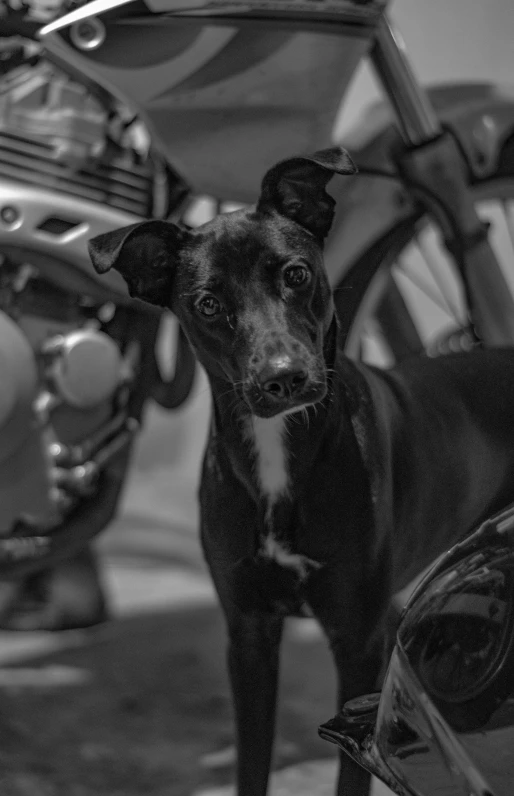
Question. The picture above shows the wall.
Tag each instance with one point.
(447, 40)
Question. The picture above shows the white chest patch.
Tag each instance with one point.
(267, 435)
(279, 553)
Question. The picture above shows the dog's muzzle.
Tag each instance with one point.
(283, 384)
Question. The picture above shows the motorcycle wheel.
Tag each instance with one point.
(404, 296)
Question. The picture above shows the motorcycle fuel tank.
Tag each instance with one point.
(228, 89)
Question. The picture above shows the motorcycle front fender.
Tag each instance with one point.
(481, 116)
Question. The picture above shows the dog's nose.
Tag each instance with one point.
(283, 379)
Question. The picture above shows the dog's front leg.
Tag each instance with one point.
(229, 532)
(253, 662)
(352, 627)
(357, 675)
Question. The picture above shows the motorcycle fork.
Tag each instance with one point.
(436, 172)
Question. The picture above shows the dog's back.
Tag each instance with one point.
(447, 426)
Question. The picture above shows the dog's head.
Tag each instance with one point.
(249, 287)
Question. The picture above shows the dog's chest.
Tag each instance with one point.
(273, 477)
(271, 466)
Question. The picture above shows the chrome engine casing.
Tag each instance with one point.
(57, 227)
(64, 397)
(69, 170)
(74, 163)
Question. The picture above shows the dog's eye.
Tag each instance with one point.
(296, 275)
(209, 306)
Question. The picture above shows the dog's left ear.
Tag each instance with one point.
(145, 256)
(295, 188)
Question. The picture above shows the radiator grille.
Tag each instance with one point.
(121, 184)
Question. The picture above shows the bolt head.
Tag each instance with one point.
(9, 214)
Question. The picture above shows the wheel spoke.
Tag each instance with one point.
(423, 286)
(508, 209)
(434, 269)
(427, 298)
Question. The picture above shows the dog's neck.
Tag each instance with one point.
(271, 454)
(268, 438)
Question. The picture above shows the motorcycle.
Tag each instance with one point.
(113, 111)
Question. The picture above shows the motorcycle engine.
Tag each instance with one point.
(64, 396)
(73, 164)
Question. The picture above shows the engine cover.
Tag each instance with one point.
(86, 367)
(18, 386)
(24, 478)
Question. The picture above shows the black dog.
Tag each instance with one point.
(325, 483)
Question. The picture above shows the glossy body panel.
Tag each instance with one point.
(444, 724)
(226, 96)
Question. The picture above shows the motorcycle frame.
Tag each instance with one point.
(434, 171)
(416, 119)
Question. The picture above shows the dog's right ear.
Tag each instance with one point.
(145, 256)
(295, 188)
